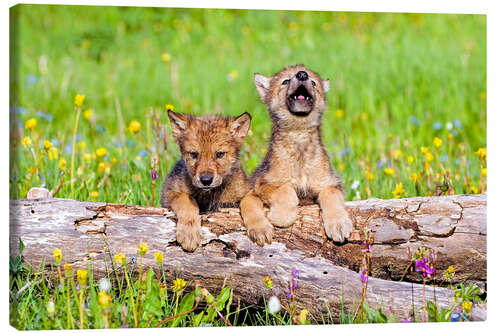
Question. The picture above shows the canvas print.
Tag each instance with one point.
(190, 167)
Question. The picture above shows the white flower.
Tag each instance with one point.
(355, 184)
(449, 126)
(104, 284)
(273, 305)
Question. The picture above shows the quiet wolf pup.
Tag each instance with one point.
(209, 174)
(296, 169)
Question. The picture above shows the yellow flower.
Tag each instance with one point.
(57, 255)
(82, 145)
(437, 142)
(474, 189)
(398, 191)
(69, 270)
(415, 176)
(467, 306)
(369, 174)
(169, 107)
(178, 285)
(142, 249)
(88, 114)
(427, 166)
(339, 113)
(104, 298)
(104, 167)
(120, 259)
(424, 150)
(30, 124)
(268, 282)
(79, 99)
(87, 157)
(134, 126)
(62, 163)
(26, 142)
(165, 57)
(483, 172)
(53, 153)
(410, 159)
(159, 258)
(481, 153)
(396, 154)
(47, 144)
(94, 194)
(429, 157)
(302, 318)
(101, 152)
(233, 75)
(389, 171)
(450, 136)
(450, 269)
(82, 275)
(341, 166)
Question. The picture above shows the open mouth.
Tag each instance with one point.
(300, 102)
(301, 94)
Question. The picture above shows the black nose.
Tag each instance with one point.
(206, 179)
(302, 75)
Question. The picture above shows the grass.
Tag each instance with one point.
(406, 117)
(398, 82)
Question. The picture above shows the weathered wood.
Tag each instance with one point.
(454, 226)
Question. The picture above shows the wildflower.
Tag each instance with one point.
(437, 126)
(104, 284)
(273, 305)
(120, 259)
(339, 113)
(422, 265)
(474, 189)
(481, 153)
(467, 306)
(87, 157)
(88, 114)
(169, 107)
(449, 126)
(368, 247)
(429, 157)
(233, 75)
(62, 163)
(410, 159)
(398, 190)
(389, 171)
(427, 166)
(450, 269)
(178, 285)
(295, 273)
(454, 317)
(82, 275)
(302, 317)
(369, 174)
(154, 174)
(26, 142)
(396, 154)
(30, 124)
(415, 177)
(424, 150)
(104, 299)
(268, 282)
(437, 142)
(159, 258)
(51, 308)
(114, 160)
(57, 255)
(47, 144)
(104, 167)
(355, 184)
(484, 172)
(69, 269)
(101, 152)
(142, 249)
(134, 126)
(79, 99)
(363, 274)
(165, 57)
(82, 145)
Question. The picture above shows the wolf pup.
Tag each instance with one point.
(209, 174)
(296, 169)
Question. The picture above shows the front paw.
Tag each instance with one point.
(338, 225)
(261, 232)
(189, 235)
(282, 216)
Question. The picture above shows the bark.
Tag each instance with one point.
(454, 226)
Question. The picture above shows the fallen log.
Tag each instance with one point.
(454, 226)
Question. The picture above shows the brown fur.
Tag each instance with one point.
(296, 169)
(184, 191)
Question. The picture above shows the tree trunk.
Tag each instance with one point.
(454, 226)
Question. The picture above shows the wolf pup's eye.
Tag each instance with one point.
(193, 154)
(314, 83)
(286, 82)
(220, 154)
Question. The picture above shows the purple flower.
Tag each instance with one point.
(422, 265)
(154, 175)
(368, 248)
(295, 273)
(406, 321)
(454, 316)
(363, 274)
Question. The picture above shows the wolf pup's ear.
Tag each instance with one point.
(178, 122)
(239, 126)
(262, 85)
(326, 85)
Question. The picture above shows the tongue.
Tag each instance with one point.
(301, 97)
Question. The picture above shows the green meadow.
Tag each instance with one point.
(398, 82)
(90, 86)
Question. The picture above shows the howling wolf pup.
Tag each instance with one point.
(296, 169)
(209, 174)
